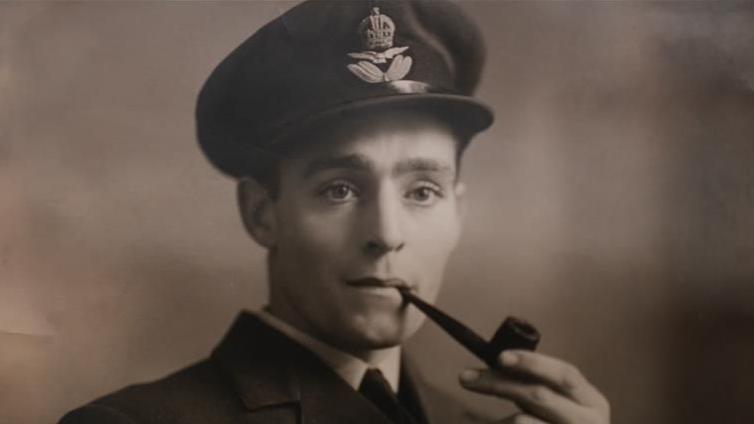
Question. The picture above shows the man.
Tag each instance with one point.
(344, 124)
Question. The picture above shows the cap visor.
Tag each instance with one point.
(463, 113)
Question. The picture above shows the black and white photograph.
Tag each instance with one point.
(376, 211)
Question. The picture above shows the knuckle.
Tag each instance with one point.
(595, 418)
(571, 377)
(521, 419)
(602, 404)
(605, 404)
(541, 395)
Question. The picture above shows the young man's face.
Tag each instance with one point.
(376, 204)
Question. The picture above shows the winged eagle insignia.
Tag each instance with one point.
(377, 34)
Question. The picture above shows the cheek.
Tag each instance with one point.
(312, 241)
(435, 238)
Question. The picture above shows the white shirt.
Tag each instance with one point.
(348, 367)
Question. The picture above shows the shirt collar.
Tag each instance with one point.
(348, 367)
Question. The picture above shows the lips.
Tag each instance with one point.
(378, 282)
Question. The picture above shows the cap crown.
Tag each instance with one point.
(329, 58)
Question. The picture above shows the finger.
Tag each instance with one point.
(522, 419)
(537, 399)
(561, 375)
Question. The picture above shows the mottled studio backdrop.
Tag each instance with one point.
(612, 204)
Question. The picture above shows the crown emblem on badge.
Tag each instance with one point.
(377, 33)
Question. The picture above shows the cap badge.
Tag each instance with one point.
(377, 33)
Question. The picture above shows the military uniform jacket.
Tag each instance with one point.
(257, 375)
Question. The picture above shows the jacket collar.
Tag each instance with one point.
(269, 370)
(245, 355)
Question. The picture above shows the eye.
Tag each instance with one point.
(339, 191)
(425, 194)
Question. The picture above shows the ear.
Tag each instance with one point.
(461, 206)
(257, 212)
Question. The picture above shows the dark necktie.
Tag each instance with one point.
(375, 388)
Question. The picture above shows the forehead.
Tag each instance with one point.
(385, 139)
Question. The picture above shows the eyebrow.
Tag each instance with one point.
(353, 162)
(421, 165)
(357, 162)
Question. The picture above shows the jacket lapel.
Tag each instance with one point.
(437, 406)
(280, 381)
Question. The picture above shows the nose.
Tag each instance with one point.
(384, 224)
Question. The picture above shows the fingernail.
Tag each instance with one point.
(469, 375)
(509, 359)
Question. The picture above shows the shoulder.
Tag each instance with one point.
(188, 395)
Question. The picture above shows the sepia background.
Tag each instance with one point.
(612, 204)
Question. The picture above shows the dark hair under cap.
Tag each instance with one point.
(329, 59)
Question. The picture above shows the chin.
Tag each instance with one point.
(377, 340)
(381, 332)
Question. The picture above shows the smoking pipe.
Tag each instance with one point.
(513, 333)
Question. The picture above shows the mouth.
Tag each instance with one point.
(376, 282)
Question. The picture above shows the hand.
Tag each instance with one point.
(547, 389)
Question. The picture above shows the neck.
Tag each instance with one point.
(291, 317)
